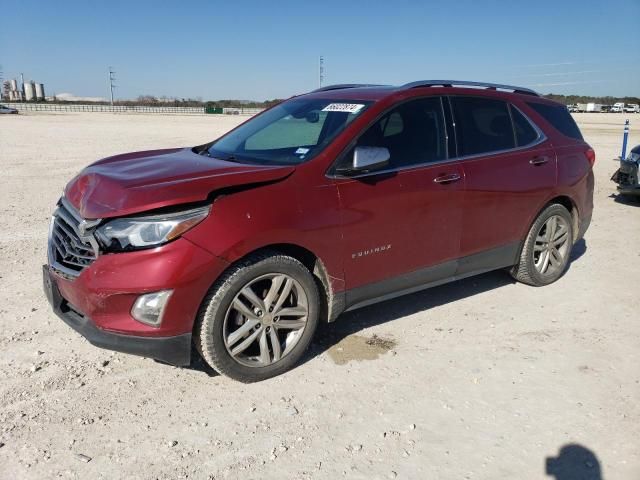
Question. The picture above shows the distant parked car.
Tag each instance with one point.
(327, 202)
(617, 107)
(5, 109)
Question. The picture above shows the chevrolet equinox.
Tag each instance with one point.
(327, 202)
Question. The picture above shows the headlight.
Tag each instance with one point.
(147, 231)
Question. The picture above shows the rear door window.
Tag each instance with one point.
(483, 125)
(559, 117)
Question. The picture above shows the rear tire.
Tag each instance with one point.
(259, 318)
(547, 248)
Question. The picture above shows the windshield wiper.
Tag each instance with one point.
(229, 158)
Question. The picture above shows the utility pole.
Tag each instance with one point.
(321, 72)
(111, 80)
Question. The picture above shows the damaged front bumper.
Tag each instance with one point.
(627, 178)
(174, 350)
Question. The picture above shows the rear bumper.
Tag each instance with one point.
(175, 350)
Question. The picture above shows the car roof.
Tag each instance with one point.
(377, 92)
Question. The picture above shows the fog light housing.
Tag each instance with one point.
(149, 308)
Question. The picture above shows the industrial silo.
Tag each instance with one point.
(40, 91)
(29, 91)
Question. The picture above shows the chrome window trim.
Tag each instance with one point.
(541, 139)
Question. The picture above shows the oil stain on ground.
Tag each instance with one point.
(358, 347)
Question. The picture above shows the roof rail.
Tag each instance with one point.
(465, 83)
(341, 86)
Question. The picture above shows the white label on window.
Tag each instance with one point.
(302, 151)
(343, 107)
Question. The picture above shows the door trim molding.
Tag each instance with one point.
(449, 271)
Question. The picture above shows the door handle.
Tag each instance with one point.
(450, 178)
(539, 161)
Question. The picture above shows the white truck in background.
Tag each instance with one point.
(632, 108)
(589, 107)
(617, 107)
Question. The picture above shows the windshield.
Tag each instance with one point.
(289, 133)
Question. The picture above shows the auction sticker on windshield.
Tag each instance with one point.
(343, 107)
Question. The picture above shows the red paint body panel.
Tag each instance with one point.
(502, 193)
(286, 212)
(400, 222)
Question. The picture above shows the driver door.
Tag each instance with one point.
(402, 224)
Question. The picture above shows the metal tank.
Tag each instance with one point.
(40, 91)
(29, 91)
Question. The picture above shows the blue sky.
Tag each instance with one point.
(270, 49)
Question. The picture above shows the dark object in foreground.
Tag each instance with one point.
(574, 462)
(627, 175)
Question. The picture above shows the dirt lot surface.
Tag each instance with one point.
(479, 379)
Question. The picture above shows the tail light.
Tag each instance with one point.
(591, 156)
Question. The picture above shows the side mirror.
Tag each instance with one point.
(367, 159)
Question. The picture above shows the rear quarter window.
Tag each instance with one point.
(525, 133)
(559, 117)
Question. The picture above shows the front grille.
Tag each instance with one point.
(72, 247)
(628, 173)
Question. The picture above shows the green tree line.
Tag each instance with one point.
(573, 99)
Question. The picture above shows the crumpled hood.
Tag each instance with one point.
(141, 181)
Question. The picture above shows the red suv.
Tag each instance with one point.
(327, 202)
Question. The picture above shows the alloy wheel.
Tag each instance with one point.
(551, 246)
(265, 320)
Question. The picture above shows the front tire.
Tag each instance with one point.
(547, 248)
(258, 318)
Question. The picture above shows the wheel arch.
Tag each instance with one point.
(568, 203)
(332, 304)
(564, 200)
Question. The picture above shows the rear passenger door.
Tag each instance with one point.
(510, 169)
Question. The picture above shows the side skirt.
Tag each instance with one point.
(450, 271)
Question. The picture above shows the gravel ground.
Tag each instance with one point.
(482, 378)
